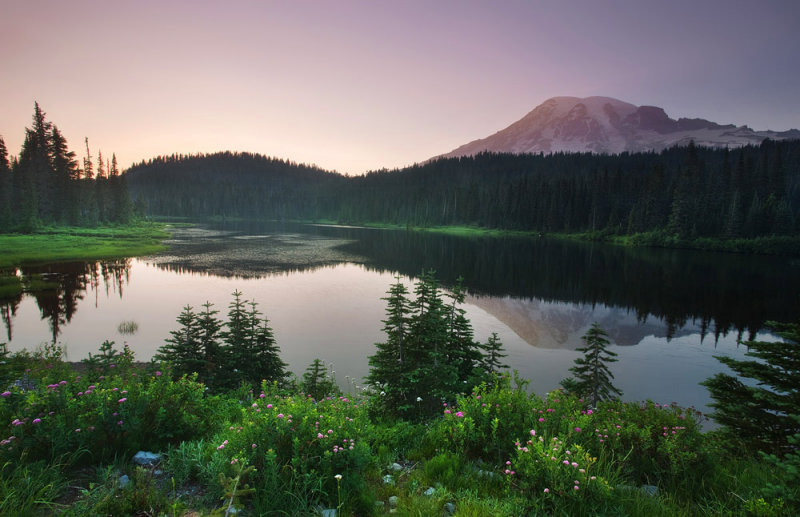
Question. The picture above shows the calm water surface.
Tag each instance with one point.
(667, 311)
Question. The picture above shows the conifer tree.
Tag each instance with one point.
(316, 381)
(592, 377)
(5, 187)
(184, 349)
(208, 331)
(250, 352)
(390, 364)
(493, 355)
(761, 414)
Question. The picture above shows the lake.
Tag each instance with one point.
(668, 312)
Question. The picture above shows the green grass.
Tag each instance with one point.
(57, 244)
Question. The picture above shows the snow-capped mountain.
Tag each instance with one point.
(606, 125)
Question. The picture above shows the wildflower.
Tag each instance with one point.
(546, 490)
(320, 436)
(254, 405)
(338, 477)
(577, 429)
(460, 414)
(123, 399)
(37, 420)
(254, 446)
(541, 419)
(119, 423)
(17, 421)
(78, 430)
(419, 399)
(269, 406)
(158, 373)
(576, 487)
(533, 432)
(280, 415)
(446, 411)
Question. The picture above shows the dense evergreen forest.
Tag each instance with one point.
(45, 184)
(687, 192)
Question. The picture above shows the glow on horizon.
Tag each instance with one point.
(362, 85)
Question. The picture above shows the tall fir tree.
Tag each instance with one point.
(5, 187)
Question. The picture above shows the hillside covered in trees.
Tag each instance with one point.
(46, 185)
(687, 192)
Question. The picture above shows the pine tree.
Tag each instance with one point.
(761, 414)
(184, 349)
(493, 355)
(213, 359)
(250, 352)
(316, 381)
(65, 169)
(5, 188)
(592, 377)
(390, 364)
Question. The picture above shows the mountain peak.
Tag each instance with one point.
(608, 125)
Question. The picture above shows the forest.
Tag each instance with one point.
(687, 192)
(45, 185)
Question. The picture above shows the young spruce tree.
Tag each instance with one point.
(592, 377)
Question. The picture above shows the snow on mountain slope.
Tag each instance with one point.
(607, 125)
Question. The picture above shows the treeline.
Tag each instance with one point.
(688, 192)
(46, 185)
(234, 185)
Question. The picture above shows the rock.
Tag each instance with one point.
(650, 490)
(124, 480)
(146, 459)
(393, 501)
(158, 472)
(328, 512)
(396, 467)
(450, 508)
(430, 491)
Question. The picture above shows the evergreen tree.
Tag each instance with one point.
(592, 377)
(493, 355)
(5, 187)
(184, 349)
(251, 354)
(208, 331)
(761, 414)
(391, 363)
(429, 356)
(65, 169)
(316, 381)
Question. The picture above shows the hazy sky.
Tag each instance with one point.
(360, 85)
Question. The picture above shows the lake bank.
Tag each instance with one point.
(58, 244)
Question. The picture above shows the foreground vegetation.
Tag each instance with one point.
(69, 437)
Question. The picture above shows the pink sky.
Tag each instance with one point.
(361, 85)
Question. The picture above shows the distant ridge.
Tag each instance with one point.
(610, 126)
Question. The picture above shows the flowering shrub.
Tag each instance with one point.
(293, 439)
(105, 417)
(555, 470)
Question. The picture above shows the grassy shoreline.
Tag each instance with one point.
(768, 245)
(58, 244)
